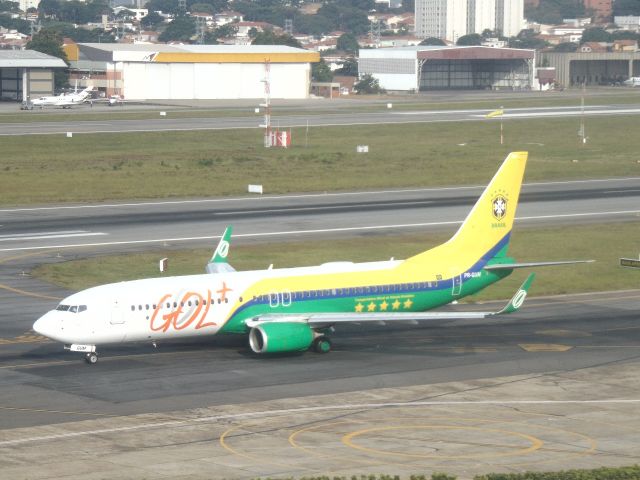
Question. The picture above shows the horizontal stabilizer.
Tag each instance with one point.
(511, 266)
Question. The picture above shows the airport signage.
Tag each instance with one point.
(630, 262)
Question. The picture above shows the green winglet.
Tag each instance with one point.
(518, 299)
(222, 250)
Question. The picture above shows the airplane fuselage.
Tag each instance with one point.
(174, 307)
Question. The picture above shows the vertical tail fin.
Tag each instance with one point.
(485, 232)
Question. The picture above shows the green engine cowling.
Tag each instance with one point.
(278, 337)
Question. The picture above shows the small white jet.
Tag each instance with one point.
(64, 100)
(632, 82)
(293, 309)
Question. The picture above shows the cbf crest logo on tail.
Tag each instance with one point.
(499, 205)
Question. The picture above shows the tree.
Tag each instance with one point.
(527, 38)
(471, 39)
(201, 8)
(348, 42)
(432, 41)
(181, 29)
(368, 85)
(152, 20)
(349, 68)
(50, 42)
(566, 47)
(626, 7)
(320, 72)
(268, 37)
(595, 35)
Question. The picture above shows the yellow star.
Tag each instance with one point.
(408, 304)
(359, 307)
(371, 307)
(396, 305)
(384, 305)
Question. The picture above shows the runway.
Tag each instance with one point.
(312, 119)
(114, 227)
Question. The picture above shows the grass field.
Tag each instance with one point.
(605, 244)
(89, 168)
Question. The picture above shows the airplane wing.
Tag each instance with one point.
(324, 320)
(511, 266)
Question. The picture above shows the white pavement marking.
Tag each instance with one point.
(303, 195)
(290, 411)
(21, 237)
(298, 232)
(484, 111)
(567, 113)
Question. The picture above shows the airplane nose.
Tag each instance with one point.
(45, 325)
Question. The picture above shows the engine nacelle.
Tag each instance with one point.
(278, 337)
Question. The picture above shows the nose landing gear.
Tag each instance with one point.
(91, 358)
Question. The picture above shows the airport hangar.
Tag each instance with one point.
(191, 72)
(593, 68)
(446, 67)
(26, 74)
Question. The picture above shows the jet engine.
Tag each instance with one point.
(277, 337)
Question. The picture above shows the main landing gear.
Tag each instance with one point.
(322, 344)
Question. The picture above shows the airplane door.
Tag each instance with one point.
(286, 298)
(117, 315)
(456, 288)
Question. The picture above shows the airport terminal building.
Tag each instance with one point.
(191, 72)
(419, 68)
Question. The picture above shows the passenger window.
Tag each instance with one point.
(133, 308)
(240, 299)
(146, 306)
(154, 306)
(139, 307)
(168, 304)
(175, 304)
(189, 303)
(196, 302)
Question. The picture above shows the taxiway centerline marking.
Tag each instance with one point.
(231, 416)
(298, 232)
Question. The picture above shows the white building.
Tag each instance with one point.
(185, 72)
(627, 22)
(481, 15)
(24, 5)
(509, 17)
(445, 19)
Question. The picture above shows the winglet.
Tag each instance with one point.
(518, 299)
(222, 250)
(218, 262)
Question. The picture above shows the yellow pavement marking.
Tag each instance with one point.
(40, 410)
(28, 294)
(544, 347)
(536, 443)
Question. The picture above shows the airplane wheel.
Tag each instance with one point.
(322, 345)
(91, 358)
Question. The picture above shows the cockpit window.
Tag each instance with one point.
(71, 308)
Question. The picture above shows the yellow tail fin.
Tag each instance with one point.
(485, 232)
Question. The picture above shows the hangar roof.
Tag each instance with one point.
(29, 59)
(429, 52)
(163, 53)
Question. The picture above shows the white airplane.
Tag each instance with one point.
(64, 100)
(293, 309)
(632, 82)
